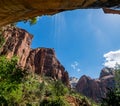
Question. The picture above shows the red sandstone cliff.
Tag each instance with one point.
(17, 42)
(41, 60)
(96, 88)
(44, 62)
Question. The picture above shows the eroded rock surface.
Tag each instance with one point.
(42, 61)
(16, 10)
(96, 88)
(17, 43)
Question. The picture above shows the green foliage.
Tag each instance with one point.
(54, 92)
(32, 21)
(58, 101)
(112, 98)
(17, 86)
(117, 79)
(59, 88)
(10, 71)
(10, 79)
(113, 95)
(32, 90)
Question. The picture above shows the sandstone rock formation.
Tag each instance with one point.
(16, 10)
(44, 62)
(17, 42)
(106, 72)
(96, 88)
(111, 11)
(41, 60)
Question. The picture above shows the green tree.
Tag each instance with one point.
(58, 101)
(54, 93)
(117, 79)
(31, 21)
(59, 88)
(17, 86)
(11, 76)
(113, 95)
(112, 98)
(32, 90)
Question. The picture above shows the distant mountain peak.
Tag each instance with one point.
(96, 88)
(106, 71)
(73, 81)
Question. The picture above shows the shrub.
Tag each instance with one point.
(11, 76)
(112, 98)
(59, 88)
(58, 101)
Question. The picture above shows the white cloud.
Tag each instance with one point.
(75, 66)
(112, 58)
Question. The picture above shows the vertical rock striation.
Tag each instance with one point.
(17, 43)
(42, 61)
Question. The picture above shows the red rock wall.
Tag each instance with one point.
(17, 42)
(42, 61)
(96, 88)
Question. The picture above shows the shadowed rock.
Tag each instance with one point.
(96, 88)
(16, 10)
(42, 61)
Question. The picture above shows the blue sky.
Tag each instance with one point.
(84, 40)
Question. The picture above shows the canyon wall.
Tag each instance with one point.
(96, 88)
(17, 43)
(42, 61)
